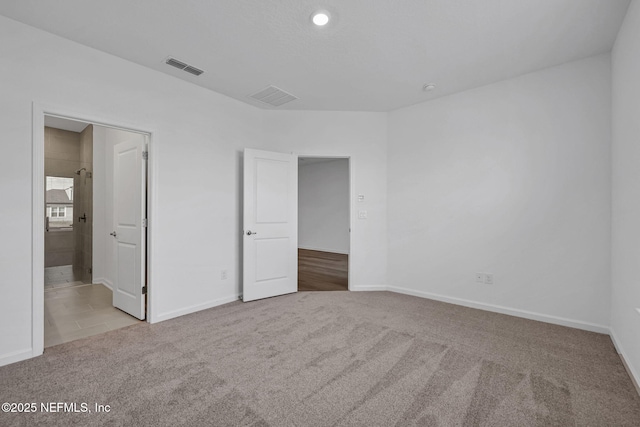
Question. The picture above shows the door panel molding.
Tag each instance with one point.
(270, 224)
(129, 183)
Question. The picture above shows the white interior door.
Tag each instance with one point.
(129, 172)
(270, 249)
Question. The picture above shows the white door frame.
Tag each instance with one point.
(351, 201)
(37, 205)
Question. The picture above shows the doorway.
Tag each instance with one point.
(270, 229)
(68, 164)
(87, 284)
(323, 223)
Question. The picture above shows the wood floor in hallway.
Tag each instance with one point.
(322, 271)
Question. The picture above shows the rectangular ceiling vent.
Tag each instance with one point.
(183, 66)
(273, 96)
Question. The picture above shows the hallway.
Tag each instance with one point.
(322, 271)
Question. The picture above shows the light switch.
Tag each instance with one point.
(360, 198)
(362, 214)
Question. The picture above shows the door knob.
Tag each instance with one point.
(249, 233)
(113, 234)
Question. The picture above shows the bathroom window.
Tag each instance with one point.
(59, 200)
(58, 211)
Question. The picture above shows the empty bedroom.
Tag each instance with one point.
(362, 213)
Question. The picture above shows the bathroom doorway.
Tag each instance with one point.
(79, 159)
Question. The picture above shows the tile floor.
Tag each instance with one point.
(61, 277)
(79, 311)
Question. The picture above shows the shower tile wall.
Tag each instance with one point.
(83, 205)
(61, 159)
(65, 153)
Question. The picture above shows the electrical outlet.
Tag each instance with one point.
(488, 278)
(480, 277)
(224, 275)
(362, 214)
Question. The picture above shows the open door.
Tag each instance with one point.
(129, 180)
(270, 246)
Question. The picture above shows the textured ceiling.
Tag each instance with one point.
(375, 55)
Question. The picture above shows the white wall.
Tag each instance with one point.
(195, 160)
(104, 139)
(323, 205)
(362, 137)
(625, 303)
(511, 179)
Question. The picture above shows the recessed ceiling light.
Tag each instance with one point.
(320, 18)
(428, 87)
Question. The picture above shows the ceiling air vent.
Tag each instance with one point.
(184, 67)
(193, 70)
(273, 96)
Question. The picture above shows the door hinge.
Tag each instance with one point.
(144, 290)
(145, 222)
(145, 155)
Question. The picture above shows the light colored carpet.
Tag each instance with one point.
(332, 359)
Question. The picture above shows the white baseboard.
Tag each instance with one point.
(194, 308)
(368, 288)
(102, 281)
(635, 377)
(16, 356)
(505, 310)
(309, 248)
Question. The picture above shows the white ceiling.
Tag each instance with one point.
(375, 55)
(64, 124)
